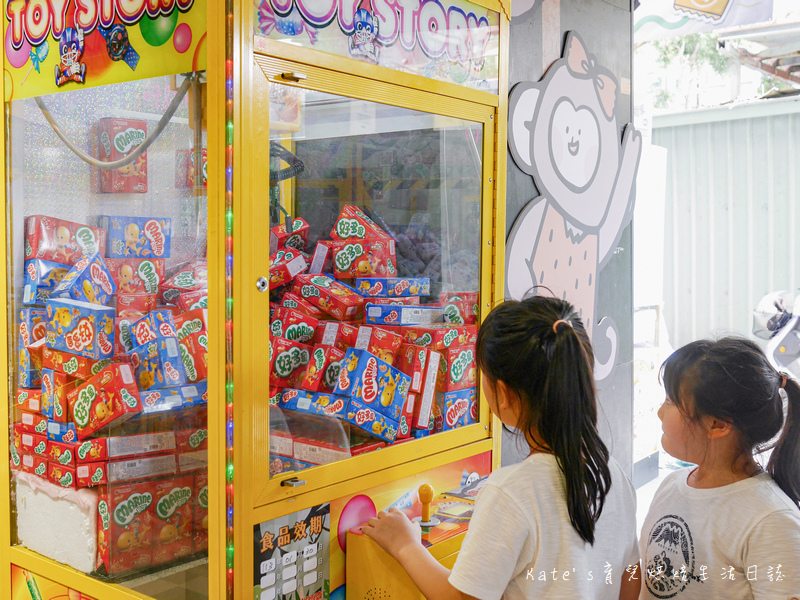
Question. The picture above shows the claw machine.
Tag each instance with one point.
(248, 247)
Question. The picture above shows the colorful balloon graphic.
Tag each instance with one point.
(182, 39)
(17, 58)
(358, 510)
(158, 31)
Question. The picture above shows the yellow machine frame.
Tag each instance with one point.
(267, 499)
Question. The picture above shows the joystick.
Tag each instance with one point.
(425, 497)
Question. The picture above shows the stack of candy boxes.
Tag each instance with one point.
(112, 382)
(350, 340)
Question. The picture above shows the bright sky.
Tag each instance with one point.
(786, 11)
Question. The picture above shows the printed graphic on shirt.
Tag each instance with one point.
(669, 561)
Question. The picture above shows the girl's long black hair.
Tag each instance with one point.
(731, 380)
(550, 368)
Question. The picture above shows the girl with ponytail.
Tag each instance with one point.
(560, 524)
(726, 528)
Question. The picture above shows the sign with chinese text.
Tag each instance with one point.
(58, 45)
(452, 40)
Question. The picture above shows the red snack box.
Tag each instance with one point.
(365, 258)
(79, 367)
(29, 399)
(127, 517)
(61, 241)
(33, 443)
(460, 313)
(61, 475)
(322, 259)
(32, 463)
(111, 396)
(283, 269)
(365, 447)
(291, 300)
(172, 526)
(33, 422)
(353, 224)
(339, 301)
(382, 343)
(135, 305)
(338, 335)
(407, 417)
(297, 239)
(35, 352)
(192, 300)
(62, 453)
(185, 169)
(123, 334)
(136, 275)
(200, 517)
(55, 387)
(194, 321)
(287, 362)
(92, 450)
(155, 324)
(116, 139)
(189, 440)
(194, 354)
(192, 278)
(437, 338)
(323, 369)
(91, 474)
(141, 444)
(457, 370)
(293, 325)
(422, 365)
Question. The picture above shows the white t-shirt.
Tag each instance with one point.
(520, 534)
(720, 536)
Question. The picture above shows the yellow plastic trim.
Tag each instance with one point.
(337, 64)
(345, 487)
(5, 459)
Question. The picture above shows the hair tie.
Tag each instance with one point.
(783, 381)
(555, 325)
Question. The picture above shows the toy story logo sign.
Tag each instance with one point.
(63, 45)
(453, 41)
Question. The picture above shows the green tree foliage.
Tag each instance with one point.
(692, 52)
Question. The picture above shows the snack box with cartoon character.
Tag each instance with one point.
(123, 335)
(35, 352)
(185, 168)
(62, 453)
(373, 382)
(323, 404)
(137, 237)
(32, 328)
(456, 409)
(297, 239)
(158, 364)
(129, 305)
(329, 295)
(59, 241)
(156, 324)
(61, 432)
(191, 300)
(291, 300)
(136, 275)
(91, 450)
(200, 512)
(29, 399)
(125, 524)
(393, 287)
(34, 464)
(382, 343)
(172, 535)
(292, 325)
(284, 266)
(460, 312)
(363, 258)
(80, 328)
(55, 387)
(438, 338)
(91, 474)
(338, 335)
(34, 443)
(458, 369)
(353, 224)
(382, 314)
(89, 280)
(194, 354)
(279, 464)
(323, 369)
(194, 321)
(31, 422)
(109, 397)
(114, 139)
(61, 475)
(287, 362)
(193, 277)
(74, 365)
(422, 365)
(41, 278)
(372, 422)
